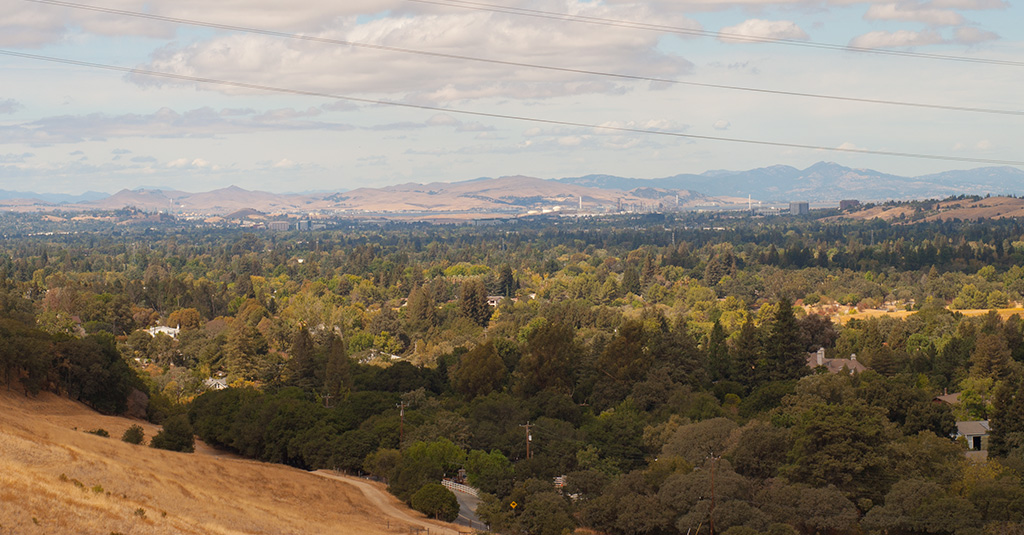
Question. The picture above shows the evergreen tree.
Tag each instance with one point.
(783, 352)
(719, 362)
(338, 375)
(631, 280)
(420, 310)
(748, 356)
(991, 356)
(302, 369)
(473, 302)
(507, 284)
(1007, 421)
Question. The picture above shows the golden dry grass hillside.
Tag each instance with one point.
(55, 478)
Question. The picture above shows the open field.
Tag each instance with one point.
(902, 314)
(57, 479)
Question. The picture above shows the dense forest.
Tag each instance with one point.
(632, 375)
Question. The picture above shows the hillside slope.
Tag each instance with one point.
(57, 479)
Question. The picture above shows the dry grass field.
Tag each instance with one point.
(55, 478)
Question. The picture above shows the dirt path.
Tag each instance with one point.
(387, 504)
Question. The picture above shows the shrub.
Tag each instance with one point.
(433, 499)
(175, 436)
(134, 434)
(100, 432)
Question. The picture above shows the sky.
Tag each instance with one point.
(289, 122)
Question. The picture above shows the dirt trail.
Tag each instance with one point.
(389, 505)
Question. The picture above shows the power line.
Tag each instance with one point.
(479, 6)
(272, 89)
(340, 42)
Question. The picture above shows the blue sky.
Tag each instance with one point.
(72, 129)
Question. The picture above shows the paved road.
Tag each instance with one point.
(467, 510)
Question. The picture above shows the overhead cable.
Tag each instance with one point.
(340, 42)
(612, 128)
(480, 6)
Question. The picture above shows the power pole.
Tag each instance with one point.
(529, 438)
(401, 422)
(711, 514)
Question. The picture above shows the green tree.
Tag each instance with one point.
(548, 362)
(134, 434)
(846, 445)
(720, 364)
(473, 302)
(784, 353)
(991, 356)
(434, 500)
(338, 373)
(302, 366)
(176, 435)
(479, 372)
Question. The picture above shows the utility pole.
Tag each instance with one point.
(529, 438)
(711, 514)
(401, 422)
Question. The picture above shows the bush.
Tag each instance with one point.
(175, 436)
(433, 499)
(100, 432)
(134, 434)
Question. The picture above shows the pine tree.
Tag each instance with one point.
(719, 362)
(302, 366)
(783, 351)
(748, 356)
(338, 375)
(473, 302)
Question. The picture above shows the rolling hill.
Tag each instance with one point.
(57, 479)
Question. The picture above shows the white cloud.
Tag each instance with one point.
(971, 4)
(442, 119)
(914, 13)
(968, 35)
(284, 163)
(901, 38)
(164, 123)
(721, 124)
(344, 70)
(757, 28)
(983, 144)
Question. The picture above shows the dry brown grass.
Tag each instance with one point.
(55, 479)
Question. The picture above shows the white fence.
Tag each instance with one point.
(460, 487)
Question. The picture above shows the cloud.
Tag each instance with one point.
(194, 163)
(971, 4)
(164, 123)
(757, 28)
(144, 159)
(914, 13)
(721, 124)
(9, 106)
(442, 119)
(15, 158)
(284, 163)
(968, 35)
(355, 71)
(901, 38)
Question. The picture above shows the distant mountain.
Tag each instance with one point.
(55, 198)
(824, 181)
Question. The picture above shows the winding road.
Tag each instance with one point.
(389, 506)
